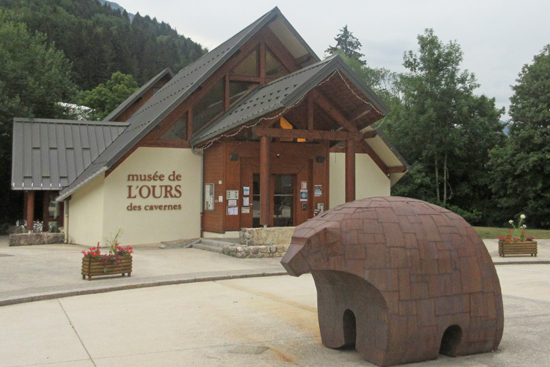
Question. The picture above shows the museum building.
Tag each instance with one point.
(257, 132)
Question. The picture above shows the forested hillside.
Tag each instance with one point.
(100, 41)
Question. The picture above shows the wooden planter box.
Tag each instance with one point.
(517, 248)
(93, 267)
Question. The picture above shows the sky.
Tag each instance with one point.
(497, 37)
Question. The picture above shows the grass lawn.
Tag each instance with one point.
(492, 232)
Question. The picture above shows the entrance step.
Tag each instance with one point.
(215, 244)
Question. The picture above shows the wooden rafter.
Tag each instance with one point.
(360, 112)
(302, 59)
(334, 112)
(374, 156)
(308, 134)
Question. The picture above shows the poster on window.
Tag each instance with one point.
(303, 195)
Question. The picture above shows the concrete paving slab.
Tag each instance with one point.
(241, 322)
(32, 333)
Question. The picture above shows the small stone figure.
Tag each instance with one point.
(401, 279)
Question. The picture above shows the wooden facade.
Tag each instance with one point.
(305, 163)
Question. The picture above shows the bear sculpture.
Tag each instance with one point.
(400, 279)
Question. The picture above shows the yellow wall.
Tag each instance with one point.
(369, 179)
(152, 226)
(86, 213)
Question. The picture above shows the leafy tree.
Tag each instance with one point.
(107, 96)
(382, 81)
(348, 44)
(100, 40)
(520, 168)
(34, 77)
(442, 128)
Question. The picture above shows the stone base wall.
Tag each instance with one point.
(266, 236)
(261, 242)
(243, 251)
(29, 239)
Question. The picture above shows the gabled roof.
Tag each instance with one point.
(138, 94)
(181, 87)
(283, 93)
(50, 154)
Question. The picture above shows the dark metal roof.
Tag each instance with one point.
(169, 97)
(50, 154)
(283, 93)
(138, 94)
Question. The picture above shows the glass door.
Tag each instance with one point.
(283, 200)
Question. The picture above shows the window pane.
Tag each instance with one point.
(273, 69)
(249, 66)
(178, 131)
(208, 107)
(238, 89)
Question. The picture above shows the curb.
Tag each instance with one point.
(56, 295)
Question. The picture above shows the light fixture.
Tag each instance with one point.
(233, 157)
(320, 159)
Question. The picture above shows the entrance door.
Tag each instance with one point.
(283, 200)
(282, 195)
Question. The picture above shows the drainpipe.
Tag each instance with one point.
(201, 154)
(66, 220)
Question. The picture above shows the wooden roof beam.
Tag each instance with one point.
(308, 134)
(333, 111)
(363, 144)
(302, 59)
(360, 112)
(397, 169)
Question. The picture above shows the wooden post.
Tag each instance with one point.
(46, 211)
(265, 178)
(30, 210)
(350, 171)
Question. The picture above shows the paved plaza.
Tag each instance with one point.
(229, 320)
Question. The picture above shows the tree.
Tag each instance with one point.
(107, 96)
(34, 77)
(348, 44)
(520, 168)
(441, 127)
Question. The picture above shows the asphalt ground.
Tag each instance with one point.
(210, 315)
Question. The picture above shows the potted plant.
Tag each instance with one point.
(117, 261)
(516, 242)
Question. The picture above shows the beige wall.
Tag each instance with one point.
(369, 179)
(154, 222)
(86, 213)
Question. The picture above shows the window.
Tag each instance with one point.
(208, 107)
(238, 89)
(178, 130)
(273, 69)
(249, 66)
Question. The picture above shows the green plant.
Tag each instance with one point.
(518, 232)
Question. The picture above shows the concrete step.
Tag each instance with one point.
(212, 244)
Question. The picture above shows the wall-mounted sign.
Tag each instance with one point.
(303, 195)
(208, 196)
(304, 185)
(231, 202)
(246, 201)
(232, 210)
(154, 186)
(318, 190)
(232, 194)
(246, 190)
(246, 210)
